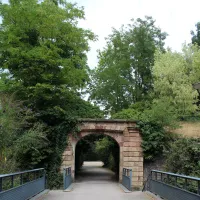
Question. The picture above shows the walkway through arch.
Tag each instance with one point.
(124, 133)
(97, 159)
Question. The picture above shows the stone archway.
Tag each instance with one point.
(124, 133)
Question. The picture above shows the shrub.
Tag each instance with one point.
(183, 157)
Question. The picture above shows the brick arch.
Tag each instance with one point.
(123, 132)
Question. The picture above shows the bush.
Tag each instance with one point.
(32, 147)
(127, 114)
(183, 157)
(154, 139)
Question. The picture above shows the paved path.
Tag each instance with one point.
(95, 183)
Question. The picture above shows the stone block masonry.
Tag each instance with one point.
(124, 133)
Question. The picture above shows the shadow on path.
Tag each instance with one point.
(95, 182)
(94, 172)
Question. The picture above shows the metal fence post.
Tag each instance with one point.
(21, 179)
(45, 179)
(1, 184)
(176, 181)
(12, 181)
(167, 178)
(185, 186)
(34, 175)
(130, 175)
(64, 177)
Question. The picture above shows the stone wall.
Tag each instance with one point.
(124, 133)
(132, 155)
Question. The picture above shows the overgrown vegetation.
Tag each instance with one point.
(44, 68)
(98, 148)
(183, 156)
(124, 72)
(43, 61)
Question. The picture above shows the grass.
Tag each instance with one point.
(189, 129)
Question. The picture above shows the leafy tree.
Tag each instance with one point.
(84, 109)
(134, 112)
(14, 119)
(196, 35)
(32, 147)
(172, 81)
(43, 60)
(161, 112)
(108, 152)
(124, 72)
(152, 121)
(191, 54)
(10, 124)
(127, 114)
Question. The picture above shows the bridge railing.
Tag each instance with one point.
(172, 186)
(22, 185)
(67, 177)
(127, 178)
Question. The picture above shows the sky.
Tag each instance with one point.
(176, 17)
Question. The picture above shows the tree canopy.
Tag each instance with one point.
(124, 72)
(174, 73)
(43, 61)
(196, 35)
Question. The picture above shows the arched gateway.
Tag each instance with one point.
(124, 133)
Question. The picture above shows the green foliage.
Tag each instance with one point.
(8, 166)
(11, 123)
(154, 124)
(108, 152)
(160, 112)
(153, 121)
(173, 76)
(127, 114)
(102, 147)
(112, 163)
(32, 147)
(84, 109)
(154, 139)
(98, 147)
(183, 156)
(196, 35)
(124, 72)
(43, 60)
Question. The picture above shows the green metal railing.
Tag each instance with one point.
(172, 186)
(22, 185)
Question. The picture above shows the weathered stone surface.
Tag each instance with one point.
(132, 149)
(132, 144)
(133, 159)
(124, 133)
(132, 154)
(68, 153)
(132, 139)
(133, 164)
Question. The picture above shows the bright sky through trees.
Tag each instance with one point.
(176, 17)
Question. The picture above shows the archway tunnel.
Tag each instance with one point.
(90, 152)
